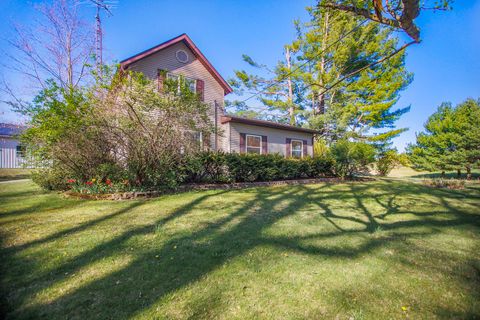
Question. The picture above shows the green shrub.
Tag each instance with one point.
(121, 131)
(322, 165)
(351, 157)
(206, 167)
(387, 162)
(216, 167)
(53, 178)
(320, 148)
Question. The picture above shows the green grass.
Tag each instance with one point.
(14, 174)
(385, 249)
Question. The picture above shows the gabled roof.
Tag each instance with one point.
(269, 124)
(189, 43)
(10, 129)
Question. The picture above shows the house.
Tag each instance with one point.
(181, 57)
(12, 153)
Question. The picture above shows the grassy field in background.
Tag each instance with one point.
(14, 174)
(406, 172)
(385, 249)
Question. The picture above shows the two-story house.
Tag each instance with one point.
(180, 56)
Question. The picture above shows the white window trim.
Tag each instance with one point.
(171, 75)
(256, 136)
(19, 151)
(291, 147)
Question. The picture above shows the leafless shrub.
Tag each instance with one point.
(445, 183)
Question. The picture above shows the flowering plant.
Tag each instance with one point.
(96, 185)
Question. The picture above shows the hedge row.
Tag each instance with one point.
(214, 167)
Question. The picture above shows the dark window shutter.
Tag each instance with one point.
(242, 142)
(264, 145)
(200, 88)
(288, 145)
(160, 79)
(305, 148)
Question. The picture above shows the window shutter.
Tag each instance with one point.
(264, 145)
(305, 148)
(200, 88)
(288, 145)
(160, 79)
(242, 142)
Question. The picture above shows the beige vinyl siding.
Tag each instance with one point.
(275, 137)
(166, 60)
(193, 68)
(223, 138)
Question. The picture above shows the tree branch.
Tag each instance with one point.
(404, 21)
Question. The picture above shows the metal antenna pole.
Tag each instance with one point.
(100, 5)
(99, 40)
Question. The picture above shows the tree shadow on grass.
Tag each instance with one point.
(72, 230)
(49, 203)
(103, 250)
(185, 259)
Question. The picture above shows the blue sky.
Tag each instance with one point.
(446, 64)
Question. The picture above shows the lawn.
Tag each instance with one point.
(385, 249)
(14, 174)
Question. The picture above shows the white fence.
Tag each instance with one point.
(11, 158)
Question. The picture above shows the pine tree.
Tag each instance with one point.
(451, 140)
(363, 104)
(317, 83)
(278, 89)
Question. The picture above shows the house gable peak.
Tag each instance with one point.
(189, 43)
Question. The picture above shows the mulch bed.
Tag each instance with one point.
(198, 187)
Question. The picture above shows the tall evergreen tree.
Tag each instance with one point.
(360, 106)
(319, 84)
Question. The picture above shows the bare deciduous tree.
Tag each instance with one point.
(56, 45)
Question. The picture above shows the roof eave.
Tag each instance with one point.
(263, 123)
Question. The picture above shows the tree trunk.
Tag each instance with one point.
(314, 107)
(443, 174)
(69, 61)
(291, 109)
(321, 97)
(459, 173)
(469, 173)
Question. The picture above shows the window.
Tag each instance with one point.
(254, 144)
(20, 151)
(297, 148)
(189, 83)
